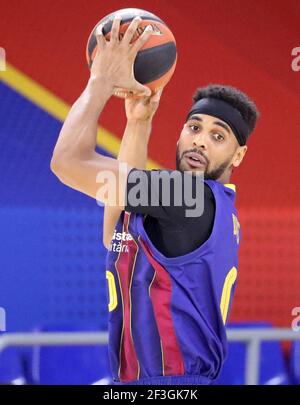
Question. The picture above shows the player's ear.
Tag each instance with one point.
(239, 155)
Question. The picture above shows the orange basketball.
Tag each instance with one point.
(156, 60)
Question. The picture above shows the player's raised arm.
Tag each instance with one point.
(74, 160)
(134, 147)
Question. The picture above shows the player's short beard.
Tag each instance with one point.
(214, 174)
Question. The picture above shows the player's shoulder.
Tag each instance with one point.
(214, 184)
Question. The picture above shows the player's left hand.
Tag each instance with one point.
(142, 108)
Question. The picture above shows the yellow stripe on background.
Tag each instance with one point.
(56, 107)
(35, 92)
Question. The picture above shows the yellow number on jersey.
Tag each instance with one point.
(226, 293)
(236, 228)
(113, 298)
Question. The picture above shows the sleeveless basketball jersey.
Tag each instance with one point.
(167, 315)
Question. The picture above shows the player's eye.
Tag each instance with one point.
(218, 136)
(194, 126)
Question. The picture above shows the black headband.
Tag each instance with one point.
(224, 111)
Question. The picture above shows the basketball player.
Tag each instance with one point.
(171, 276)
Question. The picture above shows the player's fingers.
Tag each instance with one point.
(140, 90)
(119, 92)
(114, 34)
(131, 30)
(101, 42)
(156, 96)
(136, 46)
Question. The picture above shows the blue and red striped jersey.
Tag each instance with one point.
(167, 316)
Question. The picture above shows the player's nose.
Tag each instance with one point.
(200, 141)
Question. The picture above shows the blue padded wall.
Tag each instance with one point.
(52, 260)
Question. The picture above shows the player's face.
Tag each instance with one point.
(207, 144)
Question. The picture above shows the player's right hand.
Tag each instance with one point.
(142, 108)
(114, 60)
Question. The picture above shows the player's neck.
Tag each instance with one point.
(224, 178)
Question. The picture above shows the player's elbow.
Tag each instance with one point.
(106, 242)
(107, 237)
(54, 165)
(60, 165)
(57, 165)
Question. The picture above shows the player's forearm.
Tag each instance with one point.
(77, 138)
(134, 145)
(133, 151)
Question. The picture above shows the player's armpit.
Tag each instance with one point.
(97, 176)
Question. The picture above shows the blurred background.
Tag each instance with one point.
(52, 260)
